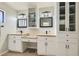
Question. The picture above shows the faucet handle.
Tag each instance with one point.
(46, 32)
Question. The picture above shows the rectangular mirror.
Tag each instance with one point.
(46, 22)
(21, 23)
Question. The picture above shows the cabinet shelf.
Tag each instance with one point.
(72, 14)
(71, 5)
(62, 3)
(72, 24)
(71, 8)
(62, 14)
(62, 6)
(62, 17)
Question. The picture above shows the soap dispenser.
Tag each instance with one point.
(21, 31)
(46, 32)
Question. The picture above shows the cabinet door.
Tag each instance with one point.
(11, 43)
(32, 17)
(72, 50)
(18, 44)
(41, 48)
(62, 17)
(67, 16)
(51, 46)
(72, 16)
(61, 49)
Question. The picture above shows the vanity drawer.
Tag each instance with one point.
(32, 40)
(25, 40)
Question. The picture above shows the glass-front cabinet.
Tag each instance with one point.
(62, 16)
(67, 16)
(32, 17)
(72, 15)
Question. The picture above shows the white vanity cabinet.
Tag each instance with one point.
(46, 45)
(67, 47)
(52, 46)
(14, 43)
(41, 46)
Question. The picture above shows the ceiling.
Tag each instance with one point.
(20, 5)
(25, 5)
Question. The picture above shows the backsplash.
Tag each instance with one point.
(35, 31)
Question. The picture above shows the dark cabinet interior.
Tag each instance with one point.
(71, 14)
(62, 10)
(72, 10)
(62, 3)
(62, 16)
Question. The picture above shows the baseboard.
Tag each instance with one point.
(3, 52)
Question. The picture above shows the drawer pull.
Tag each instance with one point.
(14, 41)
(67, 35)
(65, 46)
(46, 44)
(67, 40)
(68, 46)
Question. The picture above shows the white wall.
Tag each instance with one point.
(9, 25)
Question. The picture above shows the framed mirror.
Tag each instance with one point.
(21, 23)
(46, 22)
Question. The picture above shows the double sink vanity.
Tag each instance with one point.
(44, 43)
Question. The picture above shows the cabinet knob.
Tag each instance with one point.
(46, 38)
(67, 35)
(65, 46)
(46, 44)
(67, 40)
(68, 46)
(14, 41)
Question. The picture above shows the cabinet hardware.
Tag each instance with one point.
(67, 40)
(14, 41)
(65, 46)
(68, 46)
(67, 35)
(46, 44)
(46, 38)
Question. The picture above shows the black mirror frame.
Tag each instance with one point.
(48, 18)
(21, 26)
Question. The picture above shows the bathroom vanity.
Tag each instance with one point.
(20, 42)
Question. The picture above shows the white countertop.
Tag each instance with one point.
(34, 36)
(47, 35)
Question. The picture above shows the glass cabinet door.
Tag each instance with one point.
(32, 17)
(72, 11)
(62, 16)
(71, 24)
